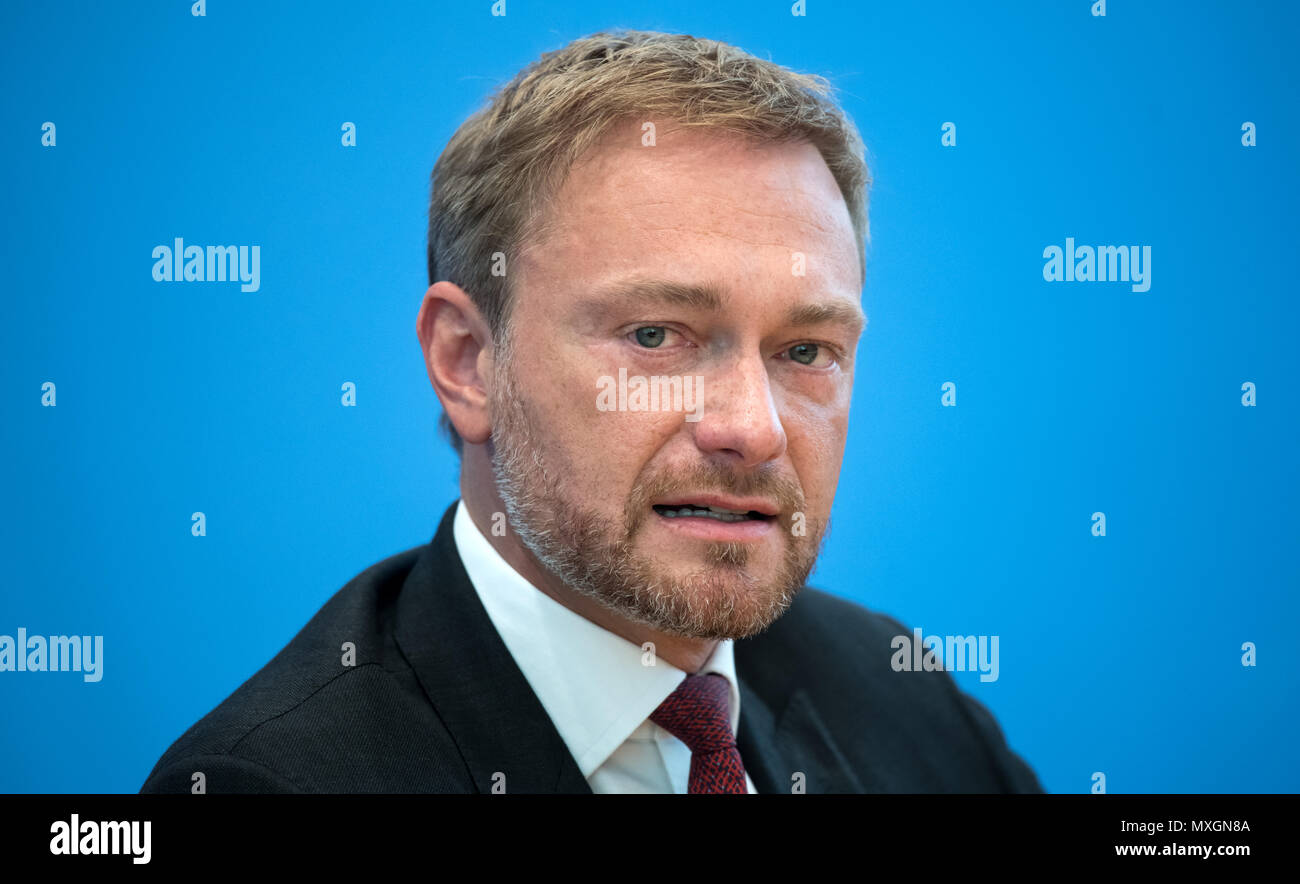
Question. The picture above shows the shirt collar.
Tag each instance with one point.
(597, 687)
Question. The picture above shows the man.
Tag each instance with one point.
(646, 259)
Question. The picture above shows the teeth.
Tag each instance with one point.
(712, 512)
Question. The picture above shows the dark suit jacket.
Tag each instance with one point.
(435, 703)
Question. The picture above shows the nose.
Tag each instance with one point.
(740, 421)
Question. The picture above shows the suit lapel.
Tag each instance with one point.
(756, 739)
(809, 747)
(781, 735)
(476, 688)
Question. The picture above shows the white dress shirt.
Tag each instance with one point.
(593, 684)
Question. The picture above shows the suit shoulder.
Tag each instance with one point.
(846, 658)
(296, 724)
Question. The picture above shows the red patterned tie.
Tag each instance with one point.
(699, 714)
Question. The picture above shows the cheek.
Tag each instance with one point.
(599, 453)
(822, 425)
(624, 443)
(815, 438)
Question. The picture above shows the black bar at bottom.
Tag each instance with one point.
(204, 832)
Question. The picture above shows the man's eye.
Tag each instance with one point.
(651, 335)
(808, 354)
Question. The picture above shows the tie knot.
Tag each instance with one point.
(698, 713)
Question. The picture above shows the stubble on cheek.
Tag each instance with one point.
(709, 592)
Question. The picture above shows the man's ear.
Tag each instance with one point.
(452, 335)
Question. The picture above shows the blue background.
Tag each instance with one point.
(1118, 654)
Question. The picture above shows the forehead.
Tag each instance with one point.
(697, 201)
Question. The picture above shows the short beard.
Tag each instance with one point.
(594, 556)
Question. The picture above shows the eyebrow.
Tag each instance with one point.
(710, 298)
(830, 313)
(662, 291)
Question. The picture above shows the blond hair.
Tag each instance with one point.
(496, 173)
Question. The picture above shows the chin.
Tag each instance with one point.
(719, 602)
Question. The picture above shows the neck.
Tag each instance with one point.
(478, 489)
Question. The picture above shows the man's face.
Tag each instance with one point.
(610, 489)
